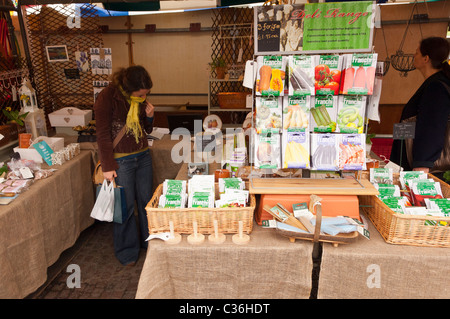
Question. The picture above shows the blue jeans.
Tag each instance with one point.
(135, 175)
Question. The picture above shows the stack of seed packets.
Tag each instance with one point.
(201, 191)
(232, 193)
(389, 194)
(174, 194)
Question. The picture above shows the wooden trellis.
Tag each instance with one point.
(232, 30)
(47, 26)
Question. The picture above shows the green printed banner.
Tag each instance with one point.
(337, 26)
(314, 27)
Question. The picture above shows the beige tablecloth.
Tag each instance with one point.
(375, 269)
(268, 266)
(41, 223)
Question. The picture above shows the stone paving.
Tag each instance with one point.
(101, 274)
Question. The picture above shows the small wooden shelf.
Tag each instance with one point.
(332, 186)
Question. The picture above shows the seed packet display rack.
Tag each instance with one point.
(262, 180)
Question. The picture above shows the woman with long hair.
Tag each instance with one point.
(121, 109)
(429, 108)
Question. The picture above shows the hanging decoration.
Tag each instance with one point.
(405, 62)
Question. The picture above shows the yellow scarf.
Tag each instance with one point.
(133, 115)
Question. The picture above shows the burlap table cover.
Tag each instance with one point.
(269, 266)
(41, 223)
(375, 269)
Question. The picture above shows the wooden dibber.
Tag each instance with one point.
(216, 237)
(241, 238)
(195, 238)
(284, 216)
(175, 238)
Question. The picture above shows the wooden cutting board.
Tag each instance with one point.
(331, 186)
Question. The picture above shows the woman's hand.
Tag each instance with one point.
(423, 169)
(109, 176)
(149, 109)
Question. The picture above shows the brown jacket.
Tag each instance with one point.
(110, 110)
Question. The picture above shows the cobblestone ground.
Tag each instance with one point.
(101, 274)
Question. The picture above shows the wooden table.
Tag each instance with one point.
(41, 223)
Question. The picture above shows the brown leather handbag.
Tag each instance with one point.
(97, 177)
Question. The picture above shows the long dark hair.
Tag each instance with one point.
(437, 50)
(132, 79)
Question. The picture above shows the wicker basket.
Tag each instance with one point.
(227, 218)
(403, 229)
(232, 100)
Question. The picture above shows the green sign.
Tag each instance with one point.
(337, 26)
(314, 27)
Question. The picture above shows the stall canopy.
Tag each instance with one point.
(149, 5)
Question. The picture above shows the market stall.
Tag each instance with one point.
(305, 162)
(43, 221)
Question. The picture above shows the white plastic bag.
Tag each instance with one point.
(103, 209)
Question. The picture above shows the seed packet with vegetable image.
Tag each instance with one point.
(350, 114)
(267, 151)
(268, 114)
(424, 188)
(381, 175)
(301, 74)
(271, 75)
(323, 113)
(295, 148)
(296, 112)
(324, 152)
(327, 74)
(352, 151)
(358, 74)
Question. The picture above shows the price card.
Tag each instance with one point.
(404, 130)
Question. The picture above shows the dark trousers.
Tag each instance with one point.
(135, 175)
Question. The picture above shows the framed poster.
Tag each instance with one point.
(57, 53)
(330, 27)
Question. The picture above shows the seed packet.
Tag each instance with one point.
(406, 176)
(324, 152)
(268, 114)
(295, 147)
(352, 151)
(441, 204)
(201, 183)
(396, 203)
(350, 113)
(358, 73)
(301, 74)
(421, 189)
(267, 150)
(271, 75)
(201, 200)
(173, 187)
(381, 175)
(387, 190)
(296, 111)
(323, 113)
(172, 201)
(239, 192)
(235, 183)
(327, 74)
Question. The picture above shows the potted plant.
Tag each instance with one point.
(14, 116)
(218, 65)
(369, 137)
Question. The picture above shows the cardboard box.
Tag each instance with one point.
(70, 117)
(30, 153)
